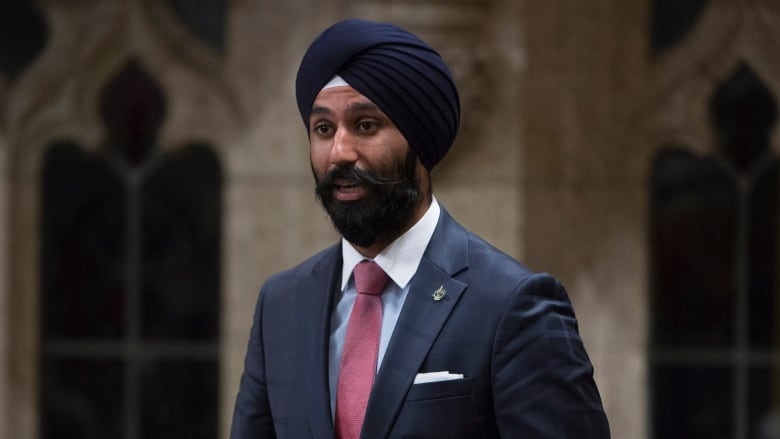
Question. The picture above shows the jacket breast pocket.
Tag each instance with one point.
(440, 390)
(443, 410)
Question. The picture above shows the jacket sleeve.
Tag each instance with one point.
(252, 412)
(543, 383)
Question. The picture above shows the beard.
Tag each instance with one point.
(387, 208)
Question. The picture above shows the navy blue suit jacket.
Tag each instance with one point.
(510, 332)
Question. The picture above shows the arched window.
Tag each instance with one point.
(130, 278)
(715, 313)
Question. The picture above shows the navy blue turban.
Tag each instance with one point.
(396, 70)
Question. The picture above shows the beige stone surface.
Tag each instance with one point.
(22, 319)
(583, 182)
(5, 342)
(491, 212)
(592, 239)
(563, 111)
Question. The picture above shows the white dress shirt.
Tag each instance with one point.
(399, 260)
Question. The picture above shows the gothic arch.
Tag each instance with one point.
(55, 99)
(727, 34)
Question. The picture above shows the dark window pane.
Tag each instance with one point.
(714, 259)
(81, 399)
(693, 236)
(182, 247)
(180, 400)
(82, 247)
(672, 19)
(23, 35)
(130, 254)
(764, 397)
(762, 261)
(692, 402)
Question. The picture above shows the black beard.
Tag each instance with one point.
(386, 209)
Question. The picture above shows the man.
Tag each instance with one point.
(411, 326)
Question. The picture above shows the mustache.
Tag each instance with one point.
(358, 177)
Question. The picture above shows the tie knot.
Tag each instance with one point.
(370, 278)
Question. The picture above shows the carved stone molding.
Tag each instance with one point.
(56, 97)
(727, 34)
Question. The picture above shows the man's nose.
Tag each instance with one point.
(344, 149)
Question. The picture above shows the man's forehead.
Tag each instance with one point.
(342, 96)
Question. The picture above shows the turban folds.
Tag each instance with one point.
(397, 71)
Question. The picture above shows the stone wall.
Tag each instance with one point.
(563, 108)
(584, 190)
(519, 86)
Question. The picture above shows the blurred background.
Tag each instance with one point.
(154, 171)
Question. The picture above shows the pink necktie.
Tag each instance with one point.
(361, 345)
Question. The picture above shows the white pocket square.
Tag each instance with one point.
(430, 377)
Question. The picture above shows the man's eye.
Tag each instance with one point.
(322, 129)
(366, 126)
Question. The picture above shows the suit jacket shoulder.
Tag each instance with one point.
(463, 254)
(326, 259)
(284, 387)
(509, 331)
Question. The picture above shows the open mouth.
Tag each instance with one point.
(347, 187)
(348, 191)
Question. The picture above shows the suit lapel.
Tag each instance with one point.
(314, 304)
(418, 325)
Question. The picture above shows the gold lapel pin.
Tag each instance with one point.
(439, 294)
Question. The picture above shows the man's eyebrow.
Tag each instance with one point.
(355, 107)
(362, 106)
(320, 110)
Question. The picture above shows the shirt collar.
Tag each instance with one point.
(401, 258)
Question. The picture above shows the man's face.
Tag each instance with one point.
(363, 166)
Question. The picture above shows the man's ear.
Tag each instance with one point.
(424, 177)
